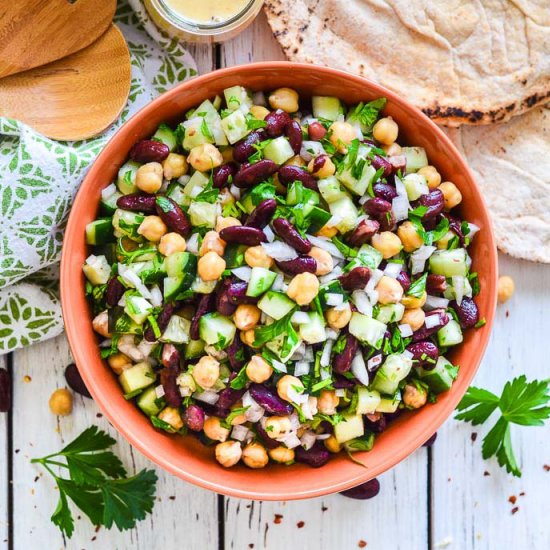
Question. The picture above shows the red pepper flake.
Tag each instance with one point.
(486, 473)
(512, 499)
(324, 508)
(362, 544)
(93, 538)
(251, 545)
(522, 494)
(546, 467)
(473, 436)
(278, 519)
(99, 415)
(507, 314)
(300, 524)
(515, 509)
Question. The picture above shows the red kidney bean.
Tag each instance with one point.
(75, 382)
(318, 163)
(269, 400)
(363, 232)
(237, 293)
(455, 224)
(173, 216)
(228, 397)
(5, 391)
(242, 234)
(221, 175)
(114, 291)
(293, 131)
(315, 457)
(244, 148)
(170, 356)
(290, 173)
(252, 174)
(355, 279)
(435, 284)
(206, 305)
(276, 123)
(162, 321)
(364, 491)
(380, 209)
(433, 201)
(384, 191)
(168, 379)
(236, 354)
(301, 264)
(290, 235)
(137, 203)
(341, 382)
(316, 131)
(341, 362)
(149, 150)
(380, 162)
(398, 162)
(423, 333)
(194, 418)
(404, 280)
(430, 441)
(375, 422)
(262, 214)
(425, 353)
(266, 440)
(467, 312)
(224, 305)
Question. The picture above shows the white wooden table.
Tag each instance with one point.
(446, 496)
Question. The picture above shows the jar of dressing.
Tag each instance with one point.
(203, 20)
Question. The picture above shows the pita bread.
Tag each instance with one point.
(460, 61)
(511, 163)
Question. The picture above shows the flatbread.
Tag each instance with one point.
(511, 162)
(460, 61)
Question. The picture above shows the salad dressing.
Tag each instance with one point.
(207, 11)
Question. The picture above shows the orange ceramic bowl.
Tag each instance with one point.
(186, 457)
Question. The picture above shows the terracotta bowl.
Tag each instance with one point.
(186, 457)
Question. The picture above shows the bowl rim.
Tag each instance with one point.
(68, 276)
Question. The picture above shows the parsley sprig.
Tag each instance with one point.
(98, 484)
(521, 403)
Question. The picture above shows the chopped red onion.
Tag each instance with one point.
(269, 235)
(239, 432)
(400, 207)
(311, 149)
(373, 362)
(159, 391)
(459, 283)
(334, 299)
(156, 296)
(407, 355)
(325, 355)
(235, 191)
(302, 368)
(393, 269)
(109, 191)
(243, 273)
(405, 330)
(375, 277)
(332, 334)
(308, 439)
(207, 396)
(333, 275)
(362, 302)
(419, 257)
(431, 321)
(373, 296)
(359, 369)
(279, 251)
(291, 440)
(325, 244)
(300, 318)
(296, 397)
(340, 392)
(278, 283)
(435, 302)
(193, 244)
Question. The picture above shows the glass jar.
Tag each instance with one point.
(177, 25)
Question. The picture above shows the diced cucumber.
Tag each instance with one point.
(367, 330)
(298, 194)
(416, 186)
(196, 133)
(137, 307)
(177, 331)
(136, 378)
(450, 334)
(166, 135)
(317, 218)
(203, 214)
(108, 250)
(390, 313)
(216, 329)
(235, 126)
(350, 427)
(329, 108)
(459, 286)
(256, 195)
(149, 403)
(97, 269)
(389, 403)
(126, 180)
(314, 331)
(193, 349)
(236, 97)
(197, 182)
(358, 186)
(107, 207)
(120, 323)
(217, 102)
(260, 281)
(330, 189)
(213, 121)
(203, 287)
(234, 255)
(153, 271)
(100, 231)
(364, 443)
(174, 286)
(279, 150)
(441, 377)
(333, 287)
(276, 346)
(126, 224)
(180, 263)
(449, 262)
(176, 193)
(370, 256)
(276, 304)
(367, 400)
(394, 369)
(346, 210)
(416, 158)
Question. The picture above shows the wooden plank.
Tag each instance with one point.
(204, 57)
(470, 507)
(4, 468)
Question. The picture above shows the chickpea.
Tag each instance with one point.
(341, 135)
(246, 316)
(451, 195)
(282, 455)
(255, 456)
(412, 302)
(248, 337)
(210, 267)
(119, 362)
(332, 445)
(241, 418)
(443, 243)
(327, 402)
(258, 369)
(101, 324)
(172, 243)
(326, 231)
(414, 396)
(324, 260)
(149, 177)
(321, 170)
(506, 288)
(296, 160)
(152, 228)
(259, 111)
(409, 236)
(433, 177)
(228, 453)
(212, 243)
(172, 416)
(388, 243)
(285, 99)
(389, 290)
(286, 383)
(174, 166)
(303, 288)
(205, 157)
(61, 402)
(214, 430)
(223, 223)
(385, 131)
(278, 426)
(414, 318)
(338, 318)
(256, 256)
(206, 372)
(393, 150)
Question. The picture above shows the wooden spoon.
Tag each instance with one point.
(36, 32)
(76, 97)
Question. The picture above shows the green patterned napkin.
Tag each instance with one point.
(39, 178)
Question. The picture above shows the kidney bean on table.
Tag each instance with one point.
(137, 202)
(149, 150)
(363, 232)
(290, 173)
(467, 312)
(75, 382)
(435, 284)
(276, 123)
(341, 362)
(224, 304)
(423, 333)
(301, 264)
(364, 491)
(384, 191)
(433, 201)
(262, 214)
(269, 400)
(5, 391)
(206, 305)
(221, 175)
(316, 131)
(245, 147)
(242, 234)
(114, 291)
(315, 457)
(289, 234)
(293, 132)
(356, 279)
(162, 321)
(252, 174)
(404, 280)
(236, 354)
(425, 354)
(168, 379)
(237, 293)
(194, 418)
(173, 216)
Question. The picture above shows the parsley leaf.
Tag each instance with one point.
(418, 287)
(267, 333)
(367, 113)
